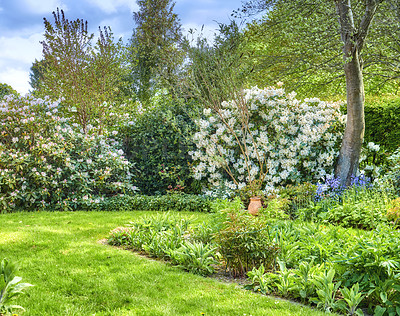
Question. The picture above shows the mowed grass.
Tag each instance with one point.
(74, 274)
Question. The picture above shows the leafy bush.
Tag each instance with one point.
(164, 203)
(267, 136)
(206, 231)
(245, 243)
(158, 142)
(45, 163)
(10, 287)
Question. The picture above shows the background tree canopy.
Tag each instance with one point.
(298, 42)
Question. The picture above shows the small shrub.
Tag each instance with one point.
(298, 196)
(244, 243)
(206, 231)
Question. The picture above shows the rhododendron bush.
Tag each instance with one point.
(268, 137)
(45, 162)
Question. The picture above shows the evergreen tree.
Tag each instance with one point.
(155, 48)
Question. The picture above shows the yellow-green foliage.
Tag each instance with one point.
(393, 213)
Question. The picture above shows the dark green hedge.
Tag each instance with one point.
(175, 202)
(158, 144)
(382, 124)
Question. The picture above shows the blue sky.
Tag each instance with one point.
(21, 26)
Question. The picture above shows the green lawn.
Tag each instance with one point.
(74, 274)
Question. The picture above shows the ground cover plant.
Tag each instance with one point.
(345, 270)
(362, 205)
(336, 269)
(74, 274)
(10, 287)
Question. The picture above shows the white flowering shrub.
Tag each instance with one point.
(46, 163)
(268, 136)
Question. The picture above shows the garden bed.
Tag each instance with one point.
(73, 274)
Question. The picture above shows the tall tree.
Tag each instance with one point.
(36, 75)
(86, 75)
(155, 47)
(346, 21)
(216, 71)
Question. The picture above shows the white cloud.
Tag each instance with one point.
(111, 6)
(17, 78)
(16, 57)
(44, 6)
(23, 50)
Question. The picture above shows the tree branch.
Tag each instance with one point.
(370, 10)
(346, 21)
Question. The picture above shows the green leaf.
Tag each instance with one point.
(379, 311)
(383, 296)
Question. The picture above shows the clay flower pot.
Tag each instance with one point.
(254, 206)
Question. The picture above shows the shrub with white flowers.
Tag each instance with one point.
(47, 163)
(268, 137)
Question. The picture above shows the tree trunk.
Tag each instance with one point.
(353, 39)
(350, 150)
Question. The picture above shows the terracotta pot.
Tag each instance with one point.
(254, 206)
